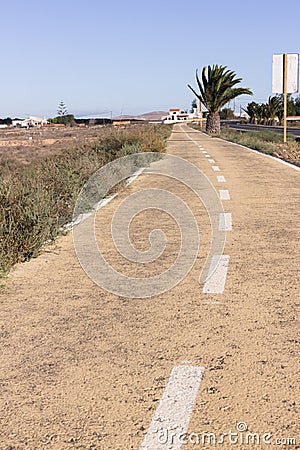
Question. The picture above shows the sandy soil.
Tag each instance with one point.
(24, 146)
(85, 369)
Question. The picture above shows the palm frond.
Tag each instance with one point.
(216, 87)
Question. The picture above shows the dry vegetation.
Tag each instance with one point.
(40, 183)
(28, 145)
(265, 141)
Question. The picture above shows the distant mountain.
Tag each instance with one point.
(153, 115)
(126, 116)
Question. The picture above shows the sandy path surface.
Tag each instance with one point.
(85, 369)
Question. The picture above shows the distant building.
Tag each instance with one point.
(30, 121)
(176, 115)
(295, 118)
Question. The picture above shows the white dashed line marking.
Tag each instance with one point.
(216, 168)
(211, 161)
(217, 275)
(221, 179)
(175, 407)
(225, 222)
(207, 155)
(224, 194)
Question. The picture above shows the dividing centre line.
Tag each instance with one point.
(216, 168)
(224, 194)
(221, 179)
(225, 222)
(175, 408)
(216, 280)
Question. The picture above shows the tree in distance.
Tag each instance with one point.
(62, 110)
(62, 116)
(215, 90)
(226, 113)
(193, 105)
(68, 119)
(272, 112)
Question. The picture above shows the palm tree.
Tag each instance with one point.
(263, 112)
(251, 110)
(217, 89)
(274, 107)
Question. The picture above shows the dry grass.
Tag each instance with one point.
(25, 146)
(37, 197)
(265, 141)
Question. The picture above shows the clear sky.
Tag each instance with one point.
(130, 56)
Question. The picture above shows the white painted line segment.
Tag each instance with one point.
(211, 161)
(84, 216)
(217, 274)
(224, 194)
(135, 175)
(216, 168)
(221, 179)
(225, 222)
(175, 408)
(207, 155)
(104, 202)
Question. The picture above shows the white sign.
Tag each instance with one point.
(292, 73)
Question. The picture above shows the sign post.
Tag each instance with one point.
(285, 75)
(284, 96)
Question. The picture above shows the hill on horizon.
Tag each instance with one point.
(152, 115)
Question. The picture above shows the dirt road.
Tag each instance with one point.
(82, 368)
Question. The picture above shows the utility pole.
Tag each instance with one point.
(284, 96)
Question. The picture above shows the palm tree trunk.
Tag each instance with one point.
(213, 123)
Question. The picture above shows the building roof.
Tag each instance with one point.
(35, 118)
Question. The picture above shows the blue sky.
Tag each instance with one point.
(134, 56)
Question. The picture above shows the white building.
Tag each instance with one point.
(176, 115)
(30, 121)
